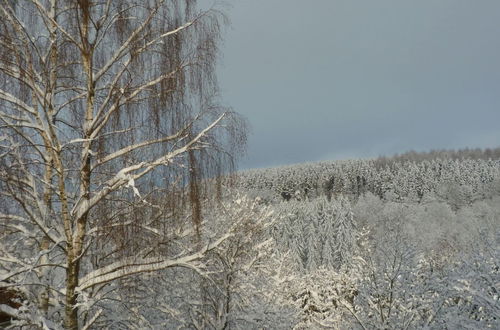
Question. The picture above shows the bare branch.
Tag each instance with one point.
(179, 135)
(133, 265)
(14, 100)
(119, 53)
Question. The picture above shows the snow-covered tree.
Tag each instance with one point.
(317, 232)
(227, 289)
(109, 125)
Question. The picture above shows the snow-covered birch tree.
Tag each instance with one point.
(109, 124)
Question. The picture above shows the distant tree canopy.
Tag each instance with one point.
(411, 177)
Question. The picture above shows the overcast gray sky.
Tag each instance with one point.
(335, 79)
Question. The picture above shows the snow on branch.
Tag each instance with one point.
(134, 265)
(123, 177)
(130, 148)
(14, 100)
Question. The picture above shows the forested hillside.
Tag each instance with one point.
(391, 243)
(408, 177)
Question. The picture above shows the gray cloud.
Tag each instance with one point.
(331, 79)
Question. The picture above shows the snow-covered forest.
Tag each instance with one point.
(388, 243)
(407, 242)
(120, 207)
